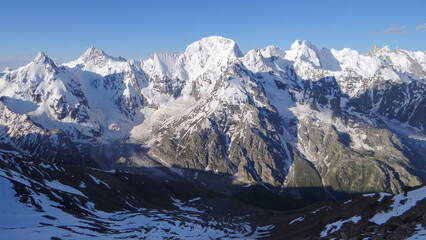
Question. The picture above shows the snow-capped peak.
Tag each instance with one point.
(373, 50)
(96, 60)
(385, 49)
(296, 44)
(307, 52)
(302, 44)
(210, 55)
(377, 51)
(272, 51)
(215, 46)
(40, 55)
(93, 54)
(41, 58)
(93, 51)
(304, 51)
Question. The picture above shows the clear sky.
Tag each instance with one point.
(135, 29)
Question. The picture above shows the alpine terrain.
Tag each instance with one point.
(182, 143)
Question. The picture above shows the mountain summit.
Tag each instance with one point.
(217, 47)
(41, 58)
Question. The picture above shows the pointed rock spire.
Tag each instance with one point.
(41, 58)
(94, 52)
(97, 56)
(375, 50)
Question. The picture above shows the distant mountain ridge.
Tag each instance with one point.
(339, 121)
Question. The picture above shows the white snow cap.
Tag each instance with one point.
(307, 52)
(304, 51)
(215, 46)
(96, 60)
(210, 54)
(96, 56)
(272, 51)
(41, 58)
(302, 44)
(92, 53)
(375, 50)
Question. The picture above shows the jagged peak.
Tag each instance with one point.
(96, 54)
(40, 55)
(215, 45)
(309, 44)
(254, 55)
(132, 62)
(41, 58)
(270, 51)
(386, 48)
(296, 44)
(305, 51)
(375, 50)
(303, 44)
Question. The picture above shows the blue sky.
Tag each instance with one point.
(135, 29)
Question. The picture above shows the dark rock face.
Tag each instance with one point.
(402, 102)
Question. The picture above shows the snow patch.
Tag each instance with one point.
(98, 181)
(369, 195)
(334, 227)
(299, 219)
(181, 205)
(401, 204)
(61, 187)
(419, 234)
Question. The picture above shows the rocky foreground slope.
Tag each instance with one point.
(51, 201)
(308, 123)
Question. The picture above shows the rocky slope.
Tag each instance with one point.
(338, 122)
(54, 201)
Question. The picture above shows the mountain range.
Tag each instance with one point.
(306, 117)
(200, 131)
